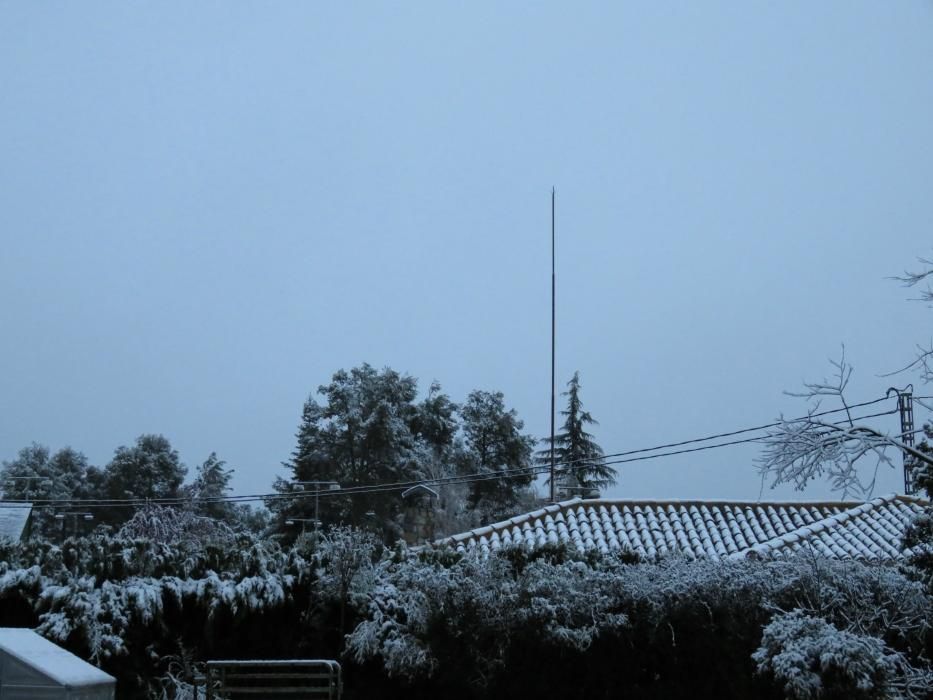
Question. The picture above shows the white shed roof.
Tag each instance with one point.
(13, 517)
(50, 660)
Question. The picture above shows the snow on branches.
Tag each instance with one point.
(800, 450)
(809, 657)
(924, 359)
(166, 525)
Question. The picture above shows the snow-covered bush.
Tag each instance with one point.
(449, 619)
(813, 660)
(440, 623)
(474, 607)
(175, 526)
(568, 604)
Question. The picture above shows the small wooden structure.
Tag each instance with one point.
(308, 679)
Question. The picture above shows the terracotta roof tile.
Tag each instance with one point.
(716, 529)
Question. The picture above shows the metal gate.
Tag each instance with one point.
(311, 679)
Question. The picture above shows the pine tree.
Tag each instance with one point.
(580, 462)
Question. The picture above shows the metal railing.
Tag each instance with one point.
(314, 679)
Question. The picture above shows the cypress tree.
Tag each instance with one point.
(580, 461)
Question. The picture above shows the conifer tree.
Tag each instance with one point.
(579, 459)
(368, 431)
(496, 448)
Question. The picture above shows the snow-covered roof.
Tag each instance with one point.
(50, 660)
(870, 530)
(13, 517)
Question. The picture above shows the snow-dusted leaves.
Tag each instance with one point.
(812, 659)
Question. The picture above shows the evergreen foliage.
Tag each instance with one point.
(211, 483)
(495, 447)
(580, 465)
(368, 431)
(812, 660)
(150, 468)
(441, 624)
(38, 475)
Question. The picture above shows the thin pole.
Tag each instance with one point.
(553, 337)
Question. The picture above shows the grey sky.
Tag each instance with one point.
(207, 208)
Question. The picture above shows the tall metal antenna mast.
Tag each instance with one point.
(553, 336)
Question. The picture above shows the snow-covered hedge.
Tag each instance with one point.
(441, 624)
(498, 624)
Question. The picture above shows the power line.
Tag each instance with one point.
(609, 459)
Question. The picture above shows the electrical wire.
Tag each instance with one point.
(608, 459)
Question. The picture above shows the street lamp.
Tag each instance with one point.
(318, 487)
(292, 521)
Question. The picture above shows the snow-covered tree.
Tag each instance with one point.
(847, 451)
(345, 559)
(176, 526)
(580, 465)
(496, 450)
(38, 475)
(150, 468)
(800, 450)
(369, 431)
(210, 485)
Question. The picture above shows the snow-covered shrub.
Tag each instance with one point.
(422, 613)
(345, 559)
(450, 619)
(95, 618)
(568, 604)
(810, 659)
(175, 526)
(441, 623)
(918, 540)
(396, 620)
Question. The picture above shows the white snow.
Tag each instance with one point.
(50, 659)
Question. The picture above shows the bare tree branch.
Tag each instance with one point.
(924, 358)
(912, 279)
(799, 451)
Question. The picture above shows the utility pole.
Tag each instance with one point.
(553, 337)
(318, 487)
(905, 406)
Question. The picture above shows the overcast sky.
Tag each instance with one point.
(208, 208)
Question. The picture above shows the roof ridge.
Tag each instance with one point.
(727, 501)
